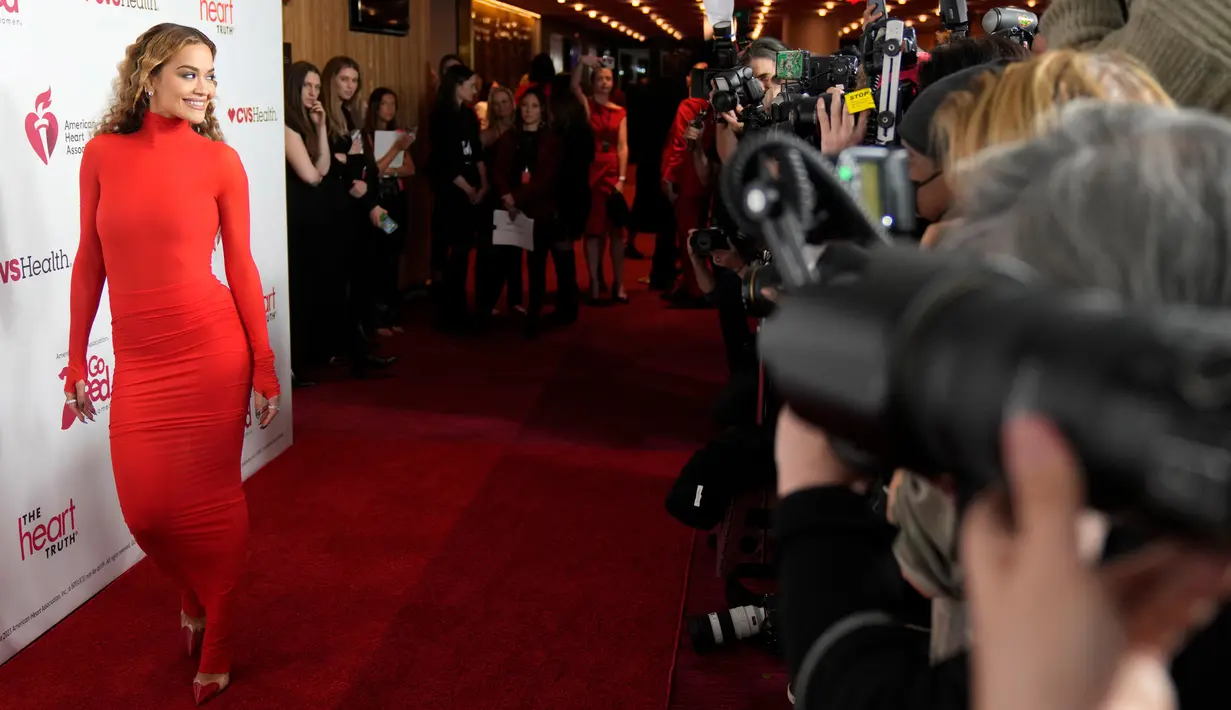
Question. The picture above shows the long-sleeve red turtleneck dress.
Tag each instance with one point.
(187, 351)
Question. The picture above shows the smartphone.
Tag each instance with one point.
(876, 6)
(609, 62)
(387, 225)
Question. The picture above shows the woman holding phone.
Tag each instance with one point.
(393, 167)
(353, 172)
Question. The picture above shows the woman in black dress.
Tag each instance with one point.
(353, 175)
(307, 230)
(391, 195)
(459, 185)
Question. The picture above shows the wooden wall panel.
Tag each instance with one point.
(319, 29)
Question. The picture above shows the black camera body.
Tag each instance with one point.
(806, 80)
(916, 359)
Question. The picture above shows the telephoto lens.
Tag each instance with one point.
(758, 278)
(724, 627)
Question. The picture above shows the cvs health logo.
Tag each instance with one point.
(97, 388)
(9, 8)
(46, 534)
(42, 126)
(252, 114)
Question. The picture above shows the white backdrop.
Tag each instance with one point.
(62, 537)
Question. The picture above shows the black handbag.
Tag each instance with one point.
(617, 210)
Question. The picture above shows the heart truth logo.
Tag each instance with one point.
(42, 127)
(231, 114)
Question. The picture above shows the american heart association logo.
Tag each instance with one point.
(231, 114)
(42, 127)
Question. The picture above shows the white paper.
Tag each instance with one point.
(517, 232)
(384, 141)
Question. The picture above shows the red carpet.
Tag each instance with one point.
(486, 530)
(743, 676)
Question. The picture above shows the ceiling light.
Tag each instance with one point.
(658, 21)
(910, 23)
(614, 24)
(936, 12)
(828, 6)
(620, 27)
(593, 13)
(679, 35)
(822, 12)
(923, 18)
(636, 3)
(1030, 4)
(579, 7)
(846, 30)
(561, 1)
(604, 19)
(653, 16)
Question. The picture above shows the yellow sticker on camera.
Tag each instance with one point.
(861, 100)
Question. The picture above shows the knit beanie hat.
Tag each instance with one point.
(916, 128)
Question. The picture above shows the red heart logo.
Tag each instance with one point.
(42, 127)
(231, 114)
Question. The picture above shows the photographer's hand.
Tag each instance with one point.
(837, 128)
(1053, 632)
(869, 17)
(806, 460)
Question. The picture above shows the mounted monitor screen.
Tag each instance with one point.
(384, 16)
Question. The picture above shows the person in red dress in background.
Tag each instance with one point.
(608, 174)
(157, 184)
(686, 180)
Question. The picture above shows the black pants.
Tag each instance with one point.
(498, 268)
(737, 337)
(662, 268)
(454, 224)
(308, 336)
(389, 248)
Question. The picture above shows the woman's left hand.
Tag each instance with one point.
(266, 409)
(619, 186)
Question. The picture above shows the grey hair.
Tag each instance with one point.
(1129, 198)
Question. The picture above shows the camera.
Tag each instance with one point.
(1014, 23)
(805, 81)
(914, 359)
(705, 242)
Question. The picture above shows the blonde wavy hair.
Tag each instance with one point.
(143, 60)
(1023, 99)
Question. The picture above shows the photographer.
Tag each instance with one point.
(1185, 43)
(867, 537)
(723, 285)
(762, 57)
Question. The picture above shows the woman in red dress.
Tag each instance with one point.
(607, 175)
(157, 184)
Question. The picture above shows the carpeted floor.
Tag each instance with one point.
(484, 530)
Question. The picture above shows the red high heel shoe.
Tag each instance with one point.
(203, 693)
